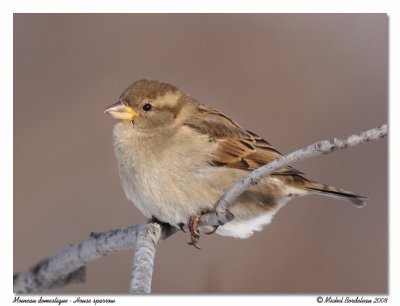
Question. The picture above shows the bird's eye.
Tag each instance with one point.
(147, 107)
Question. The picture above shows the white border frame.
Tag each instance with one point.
(8, 7)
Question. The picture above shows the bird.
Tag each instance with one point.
(176, 157)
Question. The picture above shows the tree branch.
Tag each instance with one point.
(69, 265)
(50, 272)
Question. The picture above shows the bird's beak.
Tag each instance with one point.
(121, 111)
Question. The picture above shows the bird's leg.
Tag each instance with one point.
(194, 230)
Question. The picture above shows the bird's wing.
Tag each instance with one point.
(237, 148)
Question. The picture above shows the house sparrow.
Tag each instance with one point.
(177, 157)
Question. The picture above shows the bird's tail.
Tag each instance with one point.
(338, 193)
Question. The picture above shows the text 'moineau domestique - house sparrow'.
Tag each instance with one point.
(177, 157)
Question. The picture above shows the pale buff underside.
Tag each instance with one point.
(170, 179)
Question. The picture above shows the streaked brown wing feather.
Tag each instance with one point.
(237, 148)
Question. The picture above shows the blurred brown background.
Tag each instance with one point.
(293, 79)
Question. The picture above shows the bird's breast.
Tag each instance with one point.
(164, 175)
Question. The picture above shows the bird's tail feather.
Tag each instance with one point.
(338, 193)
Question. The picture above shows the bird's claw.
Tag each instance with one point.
(195, 245)
(194, 231)
(182, 227)
(215, 227)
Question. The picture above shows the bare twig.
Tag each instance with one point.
(69, 265)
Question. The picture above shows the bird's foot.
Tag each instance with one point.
(194, 230)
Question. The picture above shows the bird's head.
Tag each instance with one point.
(148, 104)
